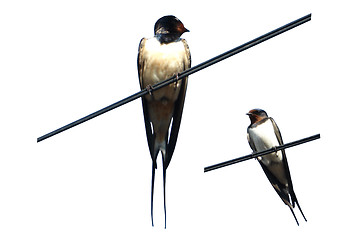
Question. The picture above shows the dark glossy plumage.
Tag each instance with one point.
(159, 58)
(263, 134)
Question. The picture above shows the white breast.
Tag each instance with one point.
(264, 138)
(162, 61)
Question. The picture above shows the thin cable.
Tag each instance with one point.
(258, 154)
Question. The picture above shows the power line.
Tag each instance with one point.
(258, 154)
(183, 74)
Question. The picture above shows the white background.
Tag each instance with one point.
(61, 60)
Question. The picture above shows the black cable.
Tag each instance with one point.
(183, 74)
(258, 154)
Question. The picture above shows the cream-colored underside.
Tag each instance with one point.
(160, 62)
(264, 138)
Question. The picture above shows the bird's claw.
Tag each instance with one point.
(149, 88)
(256, 158)
(275, 149)
(177, 78)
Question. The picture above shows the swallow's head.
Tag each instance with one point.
(256, 115)
(169, 26)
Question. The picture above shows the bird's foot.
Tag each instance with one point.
(177, 78)
(149, 88)
(256, 158)
(276, 153)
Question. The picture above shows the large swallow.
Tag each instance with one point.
(263, 134)
(159, 58)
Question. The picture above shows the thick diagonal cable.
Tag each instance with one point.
(183, 74)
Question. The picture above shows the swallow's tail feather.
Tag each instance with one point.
(287, 202)
(291, 209)
(152, 188)
(294, 200)
(303, 215)
(154, 166)
(291, 206)
(164, 179)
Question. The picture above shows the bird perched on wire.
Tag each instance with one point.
(159, 58)
(263, 134)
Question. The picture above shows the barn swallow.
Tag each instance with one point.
(263, 134)
(159, 58)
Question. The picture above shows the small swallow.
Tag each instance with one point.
(263, 134)
(159, 58)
